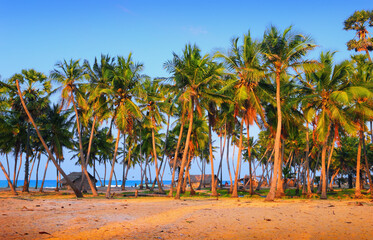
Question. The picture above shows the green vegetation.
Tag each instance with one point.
(313, 115)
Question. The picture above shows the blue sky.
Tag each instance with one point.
(37, 34)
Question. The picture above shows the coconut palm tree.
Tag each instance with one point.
(36, 94)
(359, 22)
(361, 109)
(57, 131)
(150, 101)
(69, 182)
(332, 92)
(281, 53)
(69, 73)
(244, 61)
(122, 90)
(193, 74)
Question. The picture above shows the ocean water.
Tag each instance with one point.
(52, 183)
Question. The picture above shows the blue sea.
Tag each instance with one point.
(52, 183)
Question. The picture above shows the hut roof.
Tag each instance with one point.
(207, 178)
(76, 175)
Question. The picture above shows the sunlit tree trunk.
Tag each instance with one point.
(249, 158)
(20, 165)
(108, 193)
(358, 160)
(175, 157)
(83, 162)
(156, 162)
(280, 181)
(235, 187)
(45, 174)
(214, 193)
(229, 169)
(185, 153)
(323, 167)
(272, 191)
(76, 191)
(367, 168)
(8, 179)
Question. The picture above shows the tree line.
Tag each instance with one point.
(313, 114)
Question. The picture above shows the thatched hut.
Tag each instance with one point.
(196, 180)
(76, 178)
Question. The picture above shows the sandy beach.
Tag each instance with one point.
(63, 217)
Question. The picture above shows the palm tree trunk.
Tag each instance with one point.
(249, 158)
(185, 153)
(367, 168)
(156, 162)
(8, 179)
(105, 172)
(32, 168)
(108, 194)
(358, 160)
(7, 164)
(323, 170)
(45, 174)
(214, 193)
(307, 165)
(128, 165)
(124, 162)
(37, 171)
(98, 177)
(272, 191)
(175, 157)
(57, 189)
(229, 169)
(15, 169)
(280, 181)
(332, 179)
(83, 162)
(76, 191)
(235, 187)
(27, 161)
(330, 157)
(19, 167)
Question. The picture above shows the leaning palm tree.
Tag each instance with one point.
(193, 74)
(69, 74)
(281, 53)
(36, 94)
(69, 182)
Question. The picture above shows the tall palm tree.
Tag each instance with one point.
(69, 74)
(359, 22)
(362, 109)
(281, 53)
(36, 94)
(332, 92)
(122, 90)
(192, 75)
(57, 129)
(69, 182)
(244, 61)
(150, 104)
